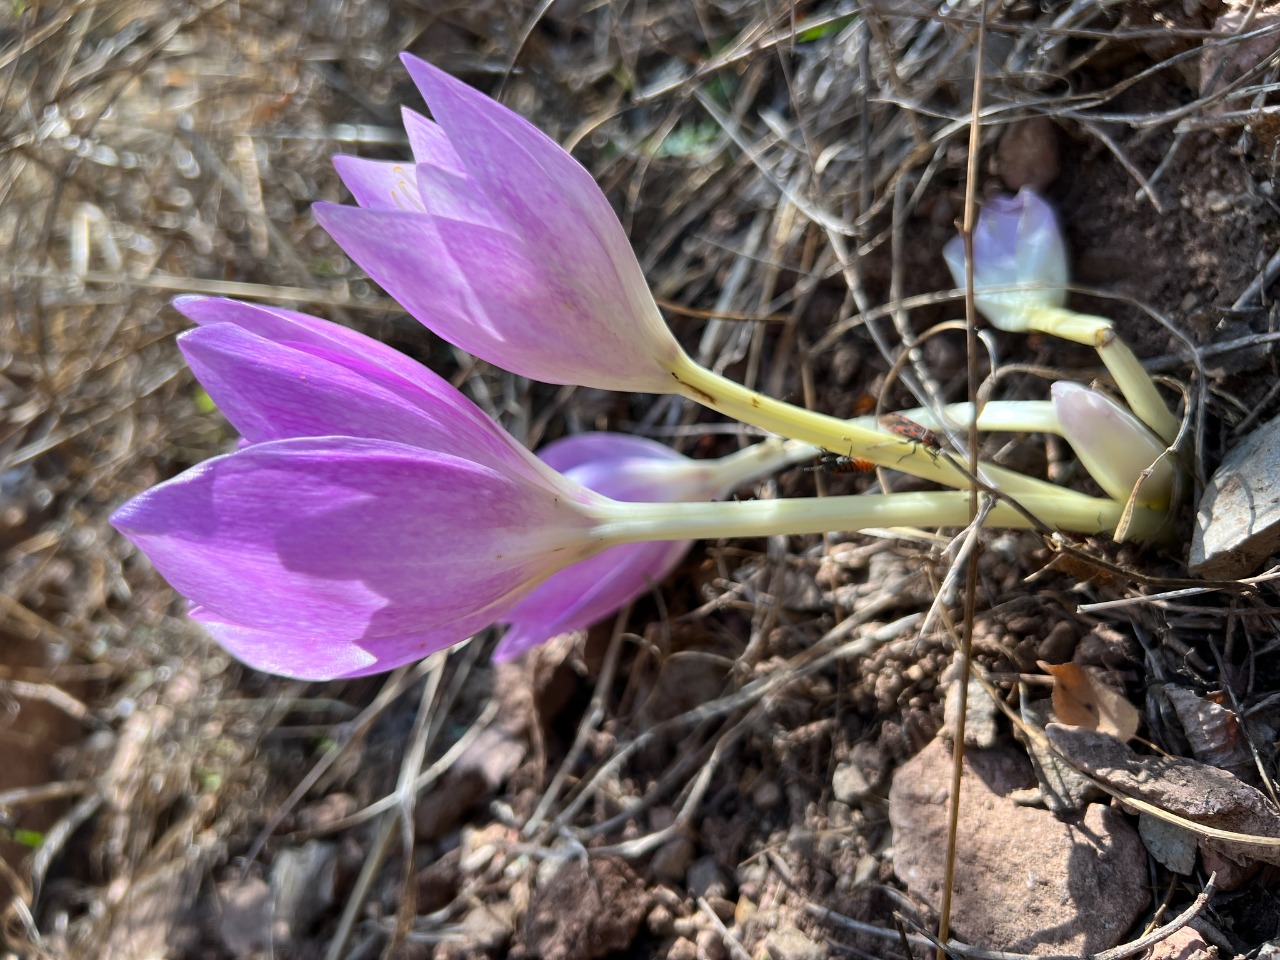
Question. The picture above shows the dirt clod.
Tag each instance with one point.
(589, 910)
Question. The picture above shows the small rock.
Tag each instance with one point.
(671, 860)
(722, 908)
(790, 944)
(302, 880)
(1025, 881)
(706, 879)
(1238, 517)
(592, 909)
(750, 876)
(767, 795)
(488, 927)
(849, 784)
(661, 921)
(682, 949)
(1184, 944)
(244, 918)
(867, 871)
(1028, 154)
(711, 945)
(980, 715)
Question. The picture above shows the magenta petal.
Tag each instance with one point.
(518, 258)
(380, 185)
(270, 391)
(538, 186)
(603, 446)
(588, 592)
(264, 385)
(311, 658)
(479, 289)
(520, 168)
(345, 540)
(625, 468)
(430, 144)
(358, 352)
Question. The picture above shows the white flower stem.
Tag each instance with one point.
(1134, 382)
(632, 522)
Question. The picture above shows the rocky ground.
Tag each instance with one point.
(755, 759)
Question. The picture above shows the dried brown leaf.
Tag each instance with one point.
(1082, 699)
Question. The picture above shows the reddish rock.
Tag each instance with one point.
(1025, 881)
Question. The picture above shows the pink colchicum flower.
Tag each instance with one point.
(316, 550)
(1016, 241)
(501, 243)
(624, 468)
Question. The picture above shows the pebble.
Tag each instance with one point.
(711, 945)
(706, 879)
(1238, 517)
(671, 861)
(790, 944)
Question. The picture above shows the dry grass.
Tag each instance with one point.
(787, 174)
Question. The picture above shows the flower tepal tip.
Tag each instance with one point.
(1016, 243)
(516, 255)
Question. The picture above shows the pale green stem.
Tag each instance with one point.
(841, 436)
(773, 454)
(1003, 416)
(633, 522)
(1134, 382)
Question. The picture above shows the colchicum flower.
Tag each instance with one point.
(315, 550)
(373, 515)
(1016, 243)
(501, 243)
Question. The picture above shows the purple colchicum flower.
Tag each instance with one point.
(374, 514)
(625, 468)
(1016, 241)
(501, 243)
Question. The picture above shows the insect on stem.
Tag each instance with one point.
(908, 429)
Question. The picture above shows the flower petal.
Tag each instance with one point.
(341, 539)
(524, 172)
(273, 391)
(625, 468)
(312, 658)
(519, 258)
(430, 144)
(588, 592)
(380, 185)
(1114, 445)
(482, 290)
(1016, 241)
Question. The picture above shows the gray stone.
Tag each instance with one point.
(790, 944)
(1238, 517)
(849, 784)
(671, 860)
(706, 879)
(302, 881)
